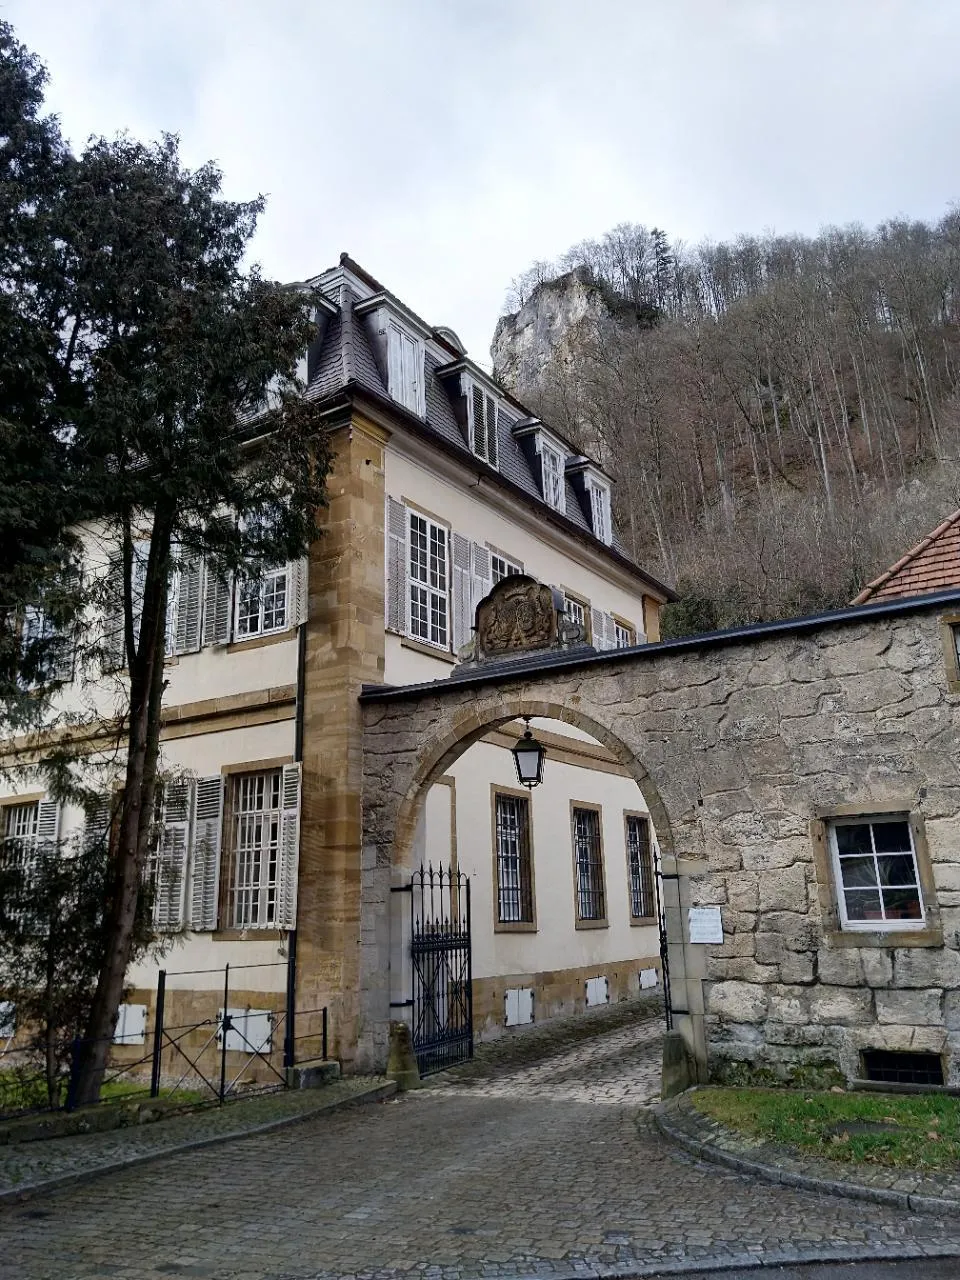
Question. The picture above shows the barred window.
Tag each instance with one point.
(514, 878)
(257, 819)
(20, 834)
(640, 859)
(588, 857)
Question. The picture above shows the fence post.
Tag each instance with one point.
(76, 1050)
(158, 1034)
(289, 1039)
(224, 1028)
(324, 1033)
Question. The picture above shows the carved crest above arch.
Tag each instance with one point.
(519, 615)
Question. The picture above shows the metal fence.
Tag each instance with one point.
(229, 1037)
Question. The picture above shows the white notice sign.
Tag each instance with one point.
(705, 924)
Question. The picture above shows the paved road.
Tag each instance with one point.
(925, 1269)
(512, 1169)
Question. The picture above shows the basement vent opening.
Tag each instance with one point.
(902, 1068)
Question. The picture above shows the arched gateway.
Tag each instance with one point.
(752, 749)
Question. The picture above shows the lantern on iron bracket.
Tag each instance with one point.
(528, 756)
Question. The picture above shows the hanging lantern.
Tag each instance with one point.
(528, 756)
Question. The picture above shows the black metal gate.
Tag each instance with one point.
(442, 974)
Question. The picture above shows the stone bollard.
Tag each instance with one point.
(401, 1062)
(679, 1068)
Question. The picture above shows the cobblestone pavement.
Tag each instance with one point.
(512, 1169)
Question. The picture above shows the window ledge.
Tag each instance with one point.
(593, 924)
(269, 934)
(930, 937)
(421, 646)
(260, 642)
(515, 926)
(643, 921)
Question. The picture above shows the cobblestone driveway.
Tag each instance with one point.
(510, 1168)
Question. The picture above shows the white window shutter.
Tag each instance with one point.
(482, 577)
(604, 630)
(96, 824)
(217, 607)
(207, 831)
(48, 822)
(170, 867)
(394, 362)
(462, 591)
(491, 429)
(114, 646)
(289, 847)
(395, 548)
(298, 590)
(189, 603)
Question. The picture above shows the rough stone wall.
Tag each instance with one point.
(524, 343)
(737, 748)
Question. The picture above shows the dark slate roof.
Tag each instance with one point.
(346, 361)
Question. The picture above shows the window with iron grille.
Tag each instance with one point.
(588, 860)
(20, 835)
(501, 567)
(514, 871)
(428, 581)
(640, 860)
(875, 866)
(257, 851)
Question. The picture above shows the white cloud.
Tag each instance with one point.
(447, 145)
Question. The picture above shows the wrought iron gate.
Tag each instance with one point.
(442, 974)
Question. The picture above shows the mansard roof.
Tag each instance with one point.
(932, 565)
(346, 361)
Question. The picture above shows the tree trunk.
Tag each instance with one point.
(136, 812)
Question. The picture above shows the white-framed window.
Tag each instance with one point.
(600, 512)
(20, 824)
(482, 422)
(875, 866)
(501, 567)
(257, 819)
(576, 611)
(623, 636)
(552, 463)
(429, 581)
(405, 368)
(262, 604)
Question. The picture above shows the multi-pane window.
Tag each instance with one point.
(501, 567)
(514, 874)
(588, 861)
(576, 611)
(623, 636)
(600, 513)
(262, 605)
(552, 463)
(257, 820)
(429, 604)
(875, 864)
(19, 834)
(640, 862)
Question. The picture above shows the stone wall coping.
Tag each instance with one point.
(681, 1122)
(553, 662)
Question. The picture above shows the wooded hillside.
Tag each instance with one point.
(781, 414)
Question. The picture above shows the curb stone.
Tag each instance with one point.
(705, 1150)
(375, 1093)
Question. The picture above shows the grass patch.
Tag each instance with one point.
(918, 1131)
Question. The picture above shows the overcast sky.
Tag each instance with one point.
(446, 144)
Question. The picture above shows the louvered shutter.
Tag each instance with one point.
(396, 566)
(207, 833)
(481, 578)
(478, 443)
(189, 601)
(490, 426)
(96, 823)
(48, 822)
(170, 864)
(289, 848)
(114, 655)
(217, 606)
(462, 591)
(63, 663)
(297, 577)
(604, 630)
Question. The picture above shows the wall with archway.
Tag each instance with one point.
(740, 744)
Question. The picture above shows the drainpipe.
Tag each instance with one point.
(290, 1038)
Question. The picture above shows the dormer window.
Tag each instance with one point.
(552, 465)
(482, 422)
(600, 511)
(405, 368)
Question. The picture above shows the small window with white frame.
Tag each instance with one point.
(624, 636)
(600, 512)
(428, 593)
(262, 604)
(552, 464)
(876, 874)
(578, 611)
(501, 567)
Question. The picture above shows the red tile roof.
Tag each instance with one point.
(932, 565)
